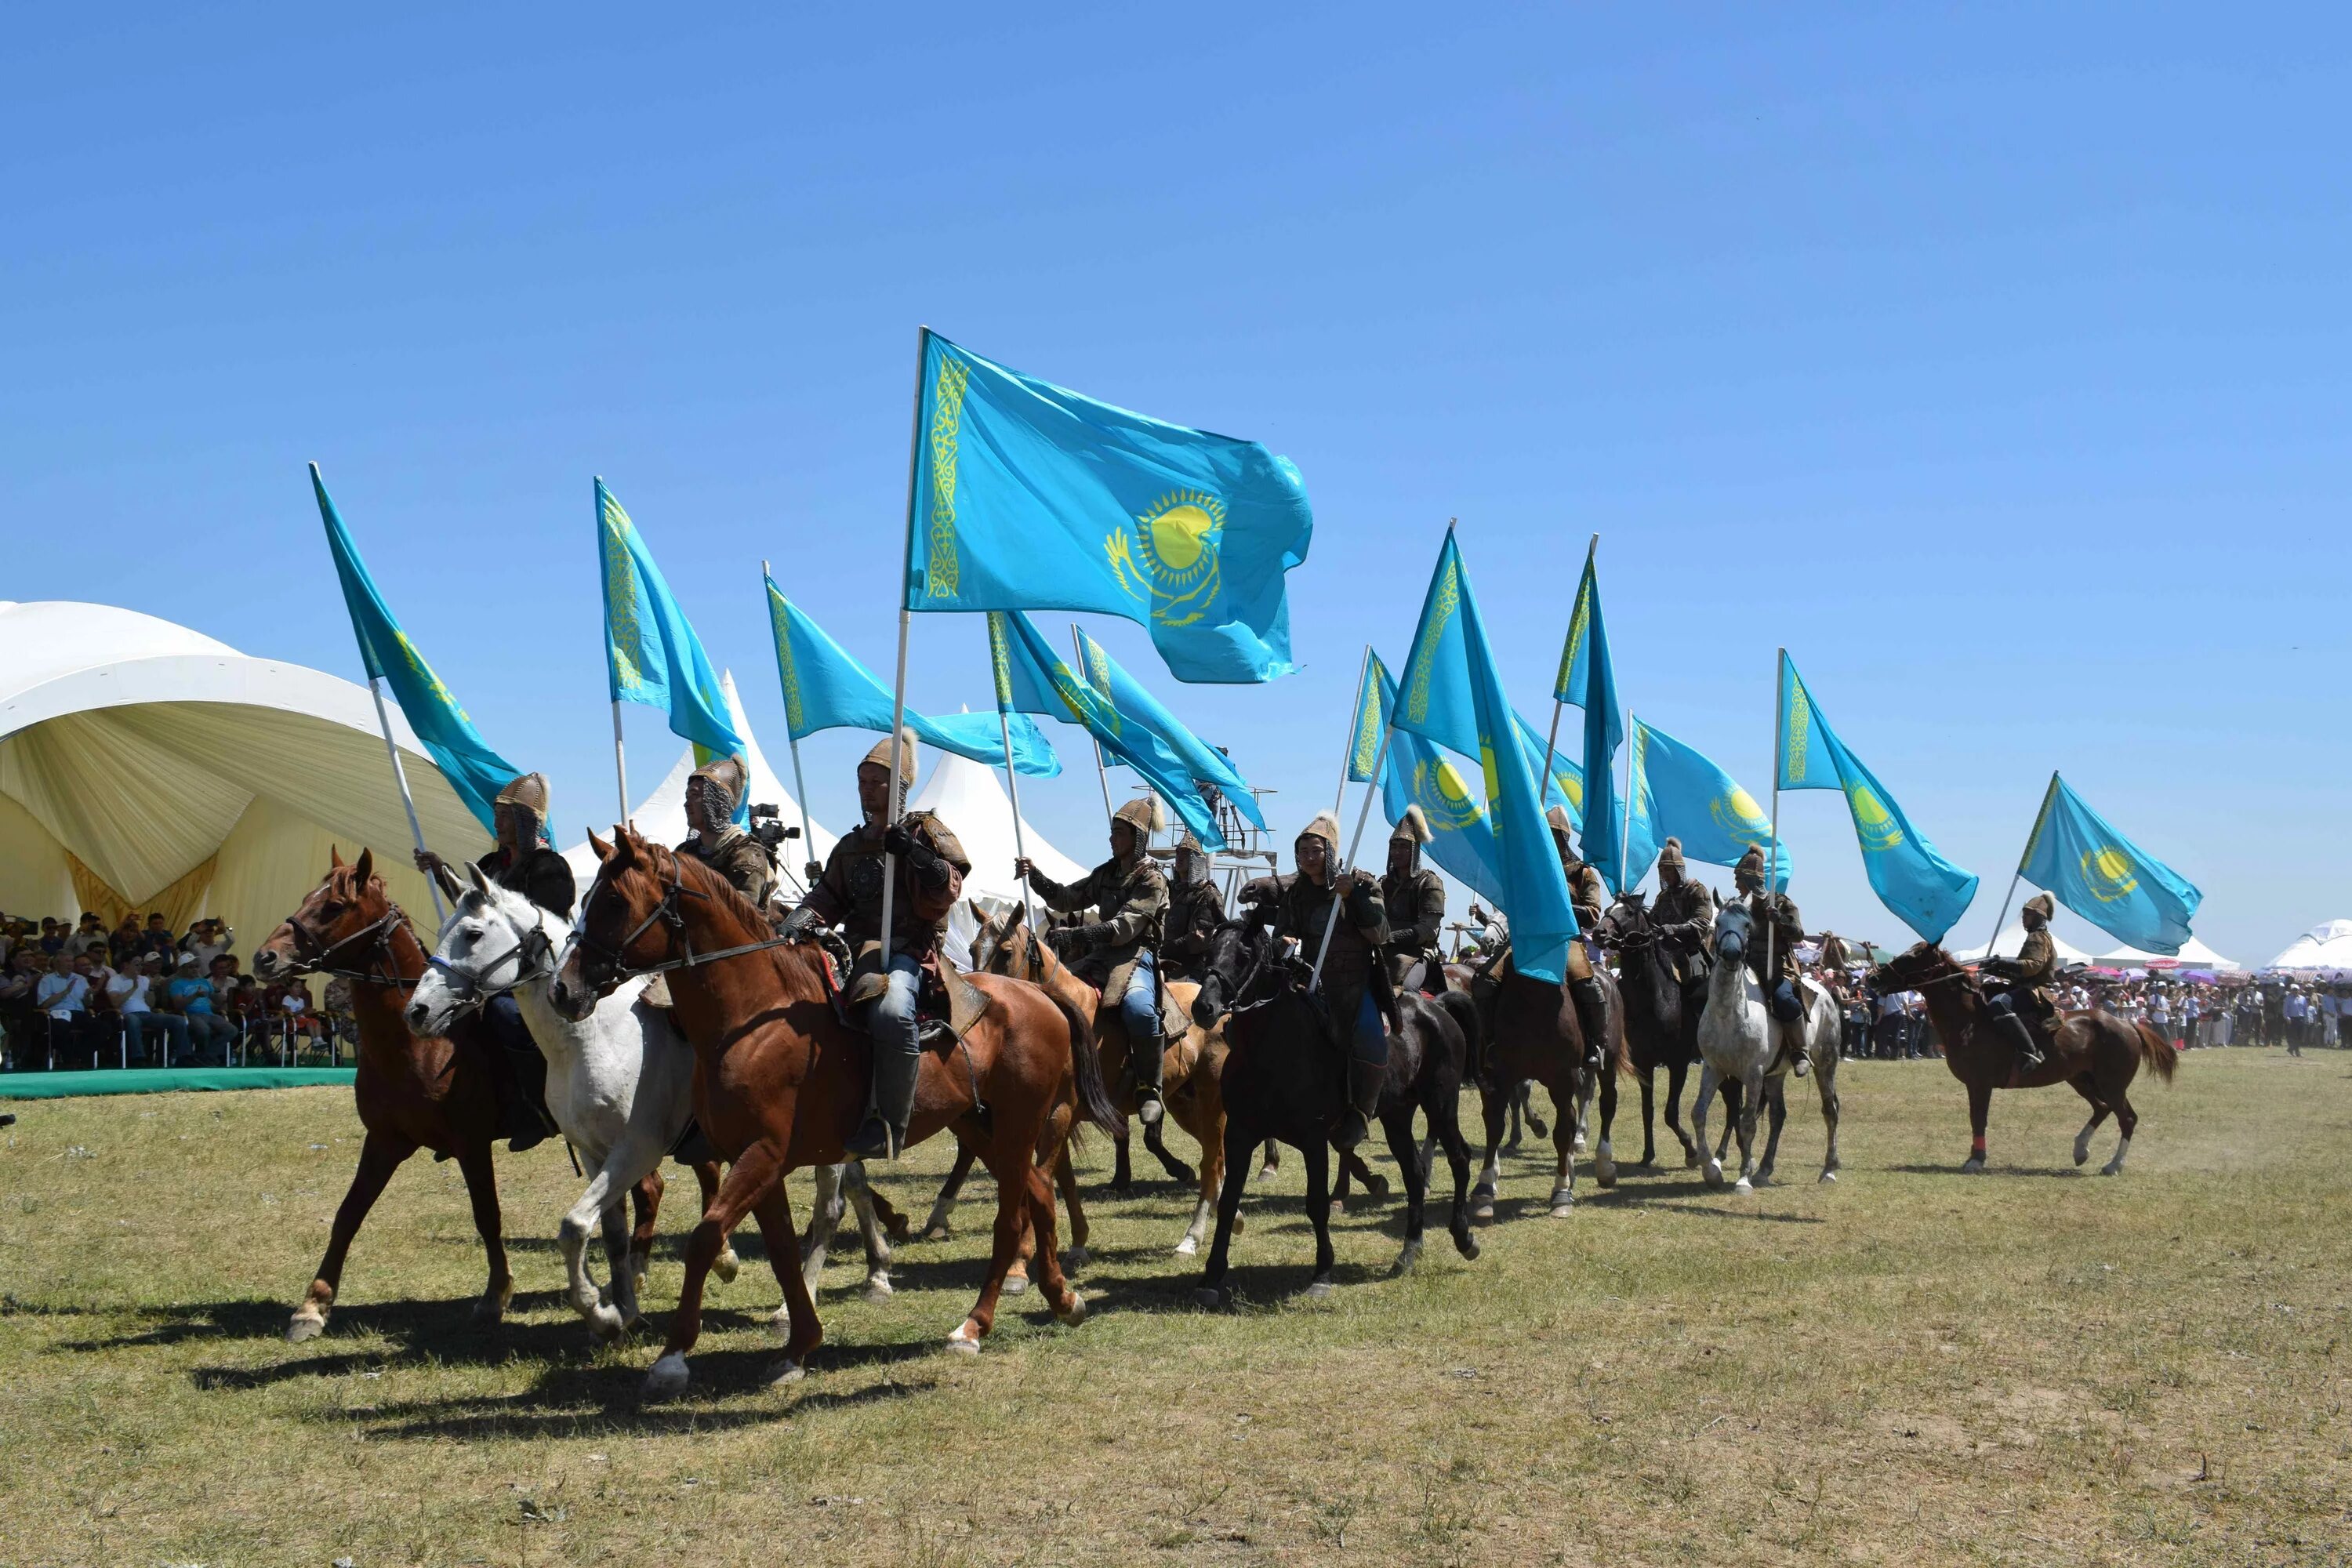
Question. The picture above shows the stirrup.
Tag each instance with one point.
(1353, 1128)
(873, 1140)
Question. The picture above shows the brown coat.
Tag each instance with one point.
(1195, 910)
(1133, 902)
(742, 859)
(848, 892)
(1788, 928)
(1304, 910)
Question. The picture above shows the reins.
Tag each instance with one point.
(474, 990)
(311, 957)
(668, 913)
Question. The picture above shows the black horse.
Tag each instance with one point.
(1661, 1019)
(1284, 1079)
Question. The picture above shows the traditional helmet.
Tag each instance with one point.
(1749, 875)
(1413, 828)
(529, 792)
(2042, 905)
(1560, 828)
(879, 757)
(1325, 827)
(726, 779)
(1670, 854)
(1144, 814)
(1188, 844)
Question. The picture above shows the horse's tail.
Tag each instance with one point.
(1465, 1012)
(1085, 1067)
(2156, 1051)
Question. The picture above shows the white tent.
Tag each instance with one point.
(2009, 941)
(2328, 945)
(661, 815)
(2193, 954)
(146, 766)
(968, 797)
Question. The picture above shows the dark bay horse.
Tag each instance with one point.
(2095, 1053)
(1661, 1022)
(1529, 1032)
(1283, 1078)
(782, 1081)
(411, 1091)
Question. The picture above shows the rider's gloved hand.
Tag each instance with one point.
(800, 922)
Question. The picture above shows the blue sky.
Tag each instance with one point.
(1992, 360)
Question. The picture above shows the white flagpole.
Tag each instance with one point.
(1102, 773)
(1354, 843)
(809, 867)
(2031, 840)
(620, 767)
(1355, 711)
(1012, 791)
(1551, 741)
(1772, 874)
(905, 619)
(399, 779)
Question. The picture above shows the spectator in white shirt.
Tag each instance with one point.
(63, 999)
(131, 993)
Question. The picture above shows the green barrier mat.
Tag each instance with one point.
(163, 1080)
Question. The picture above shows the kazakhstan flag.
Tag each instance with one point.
(1201, 763)
(1453, 662)
(1030, 496)
(2104, 878)
(464, 759)
(825, 689)
(1030, 679)
(1927, 891)
(1565, 787)
(650, 650)
(1462, 841)
(1679, 793)
(1588, 678)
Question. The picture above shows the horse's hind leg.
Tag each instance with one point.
(379, 1157)
(1205, 1119)
(1398, 1125)
(1566, 1139)
(1649, 1114)
(1273, 1159)
(1825, 1076)
(1751, 1103)
(1076, 1255)
(826, 1206)
(1580, 1109)
(868, 1204)
(936, 1227)
(1316, 1156)
(2126, 1123)
(706, 1176)
(749, 1181)
(1527, 1099)
(2087, 1086)
(1122, 1171)
(1446, 1125)
(482, 1192)
(1495, 1102)
(1021, 1223)
(647, 1197)
(1713, 1170)
(1605, 1162)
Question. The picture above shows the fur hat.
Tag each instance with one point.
(1413, 830)
(1325, 827)
(2041, 904)
(1750, 870)
(1670, 853)
(1144, 814)
(529, 792)
(879, 757)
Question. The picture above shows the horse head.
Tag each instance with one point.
(628, 920)
(988, 940)
(1626, 923)
(1237, 960)
(1734, 928)
(1917, 967)
(345, 926)
(495, 942)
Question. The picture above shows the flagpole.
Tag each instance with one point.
(1772, 876)
(1362, 814)
(905, 621)
(1626, 876)
(799, 784)
(400, 778)
(1102, 775)
(1355, 711)
(2031, 839)
(1012, 790)
(1551, 741)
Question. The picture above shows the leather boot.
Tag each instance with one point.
(1143, 1063)
(2021, 1035)
(1365, 1080)
(518, 1075)
(883, 1131)
(1592, 1019)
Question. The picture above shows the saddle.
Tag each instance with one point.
(947, 1004)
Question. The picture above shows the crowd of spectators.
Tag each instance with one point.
(76, 995)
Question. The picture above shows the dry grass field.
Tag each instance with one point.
(2035, 1365)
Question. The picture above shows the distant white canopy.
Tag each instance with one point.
(969, 798)
(2007, 944)
(2193, 954)
(2328, 945)
(147, 766)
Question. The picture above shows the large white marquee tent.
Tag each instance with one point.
(2328, 945)
(146, 766)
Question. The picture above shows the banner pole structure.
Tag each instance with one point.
(1102, 775)
(1354, 843)
(400, 778)
(1551, 741)
(2031, 839)
(809, 867)
(905, 623)
(620, 768)
(1347, 753)
(1012, 790)
(1772, 874)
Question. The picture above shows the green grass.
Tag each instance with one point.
(2034, 1365)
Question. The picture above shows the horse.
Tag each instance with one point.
(1281, 1079)
(620, 1083)
(2094, 1053)
(1661, 1028)
(1531, 1033)
(782, 1077)
(1738, 1045)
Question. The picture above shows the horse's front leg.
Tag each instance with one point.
(1495, 1101)
(1398, 1125)
(868, 1204)
(1708, 1084)
(1649, 1112)
(773, 1210)
(1204, 1118)
(1316, 1154)
(1825, 1082)
(1076, 1256)
(380, 1156)
(1241, 1142)
(1776, 1105)
(936, 1227)
(482, 1192)
(1674, 1075)
(1751, 1101)
(1980, 1112)
(645, 1197)
(755, 1170)
(605, 1189)
(1604, 1161)
(1567, 1138)
(824, 1217)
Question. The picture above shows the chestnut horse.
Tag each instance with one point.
(413, 1092)
(782, 1081)
(1531, 1033)
(2094, 1053)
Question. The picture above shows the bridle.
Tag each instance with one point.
(474, 990)
(312, 955)
(666, 911)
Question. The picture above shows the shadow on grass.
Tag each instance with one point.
(2058, 1174)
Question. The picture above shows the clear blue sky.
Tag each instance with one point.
(1992, 359)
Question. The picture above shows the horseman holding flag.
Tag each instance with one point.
(2025, 1001)
(1129, 900)
(1587, 895)
(1356, 992)
(1415, 899)
(1776, 913)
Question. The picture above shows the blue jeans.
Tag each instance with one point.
(891, 1016)
(170, 1027)
(1368, 1042)
(1138, 1010)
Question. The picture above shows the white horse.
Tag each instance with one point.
(1737, 1046)
(620, 1085)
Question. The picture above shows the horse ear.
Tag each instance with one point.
(334, 859)
(481, 883)
(364, 867)
(626, 842)
(603, 850)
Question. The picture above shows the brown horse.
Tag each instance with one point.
(1531, 1032)
(2095, 1053)
(434, 1092)
(783, 1080)
(1661, 1019)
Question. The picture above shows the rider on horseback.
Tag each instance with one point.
(1129, 898)
(1355, 983)
(1195, 910)
(848, 894)
(713, 792)
(1587, 895)
(1415, 899)
(520, 862)
(2024, 997)
(1776, 913)
(1684, 915)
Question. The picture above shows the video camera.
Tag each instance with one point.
(769, 828)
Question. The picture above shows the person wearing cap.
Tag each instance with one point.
(1776, 913)
(1414, 897)
(714, 793)
(1587, 895)
(1355, 983)
(847, 893)
(2024, 997)
(1128, 898)
(1195, 910)
(520, 861)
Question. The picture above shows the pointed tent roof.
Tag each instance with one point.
(2012, 937)
(2328, 945)
(661, 815)
(969, 798)
(2193, 954)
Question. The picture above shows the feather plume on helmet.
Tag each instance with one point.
(1412, 827)
(1144, 814)
(2041, 904)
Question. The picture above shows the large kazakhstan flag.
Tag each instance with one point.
(464, 759)
(2104, 878)
(1453, 692)
(650, 650)
(1679, 793)
(1588, 678)
(1203, 763)
(825, 689)
(1927, 891)
(1032, 679)
(1565, 785)
(1415, 772)
(1030, 496)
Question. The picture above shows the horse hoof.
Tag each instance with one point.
(667, 1378)
(1743, 1185)
(1016, 1284)
(1714, 1173)
(1076, 1258)
(2082, 1154)
(307, 1325)
(1187, 1246)
(1070, 1316)
(965, 1341)
(1605, 1172)
(1376, 1186)
(788, 1371)
(725, 1266)
(935, 1233)
(490, 1309)
(604, 1325)
(1564, 1209)
(1973, 1168)
(1337, 1208)
(1483, 1214)
(1465, 1243)
(1319, 1291)
(1264, 1172)
(1691, 1162)
(878, 1291)
(1213, 1298)
(2111, 1170)
(1406, 1259)
(1828, 1175)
